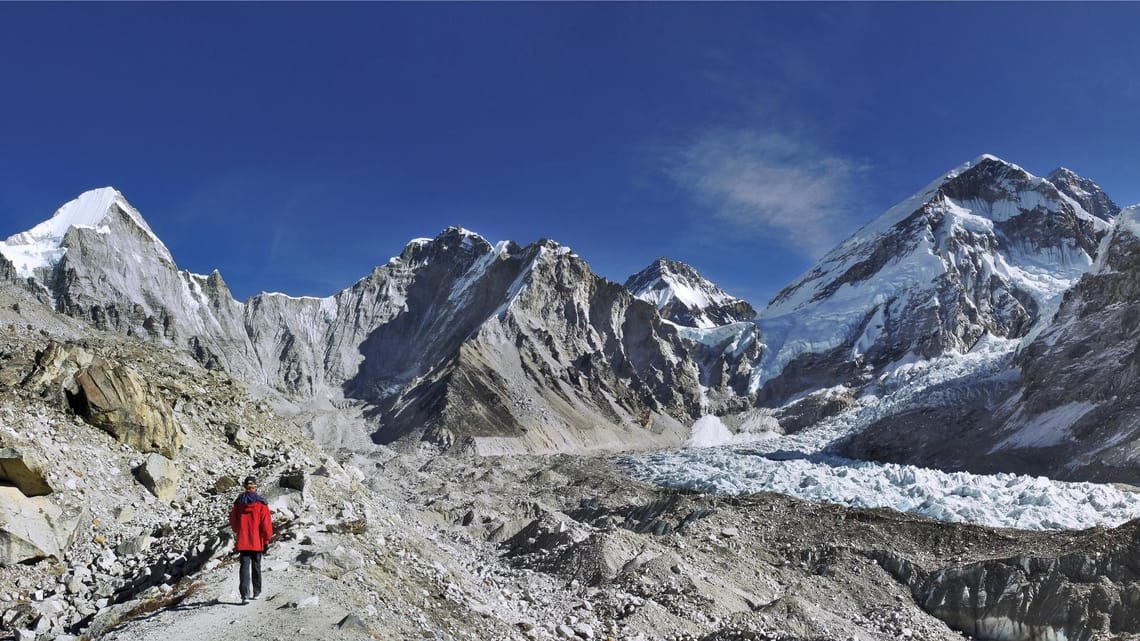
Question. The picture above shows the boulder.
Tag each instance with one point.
(237, 437)
(130, 408)
(161, 476)
(31, 528)
(224, 484)
(24, 471)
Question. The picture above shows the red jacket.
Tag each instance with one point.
(249, 519)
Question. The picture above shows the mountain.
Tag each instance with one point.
(987, 249)
(1066, 408)
(464, 343)
(1086, 192)
(684, 297)
(503, 348)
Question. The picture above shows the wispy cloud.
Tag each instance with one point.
(764, 183)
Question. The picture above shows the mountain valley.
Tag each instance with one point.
(446, 444)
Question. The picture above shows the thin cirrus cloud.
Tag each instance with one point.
(767, 183)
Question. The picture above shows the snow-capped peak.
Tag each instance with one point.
(41, 246)
(986, 248)
(685, 297)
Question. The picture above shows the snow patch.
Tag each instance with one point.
(710, 431)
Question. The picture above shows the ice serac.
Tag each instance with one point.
(986, 249)
(685, 297)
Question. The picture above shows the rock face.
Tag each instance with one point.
(1086, 192)
(118, 401)
(1075, 408)
(986, 249)
(525, 349)
(685, 297)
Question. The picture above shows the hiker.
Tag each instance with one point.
(252, 526)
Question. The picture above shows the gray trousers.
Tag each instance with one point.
(250, 573)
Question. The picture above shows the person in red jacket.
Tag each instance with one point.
(253, 527)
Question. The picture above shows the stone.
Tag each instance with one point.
(22, 469)
(159, 475)
(31, 528)
(353, 623)
(584, 630)
(128, 407)
(237, 437)
(224, 484)
(134, 546)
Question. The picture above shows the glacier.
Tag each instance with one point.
(799, 464)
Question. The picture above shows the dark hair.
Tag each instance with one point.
(248, 480)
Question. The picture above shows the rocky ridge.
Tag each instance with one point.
(453, 328)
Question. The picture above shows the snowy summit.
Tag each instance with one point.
(42, 246)
(685, 297)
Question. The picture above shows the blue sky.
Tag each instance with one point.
(295, 146)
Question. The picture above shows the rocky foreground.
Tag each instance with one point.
(118, 464)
